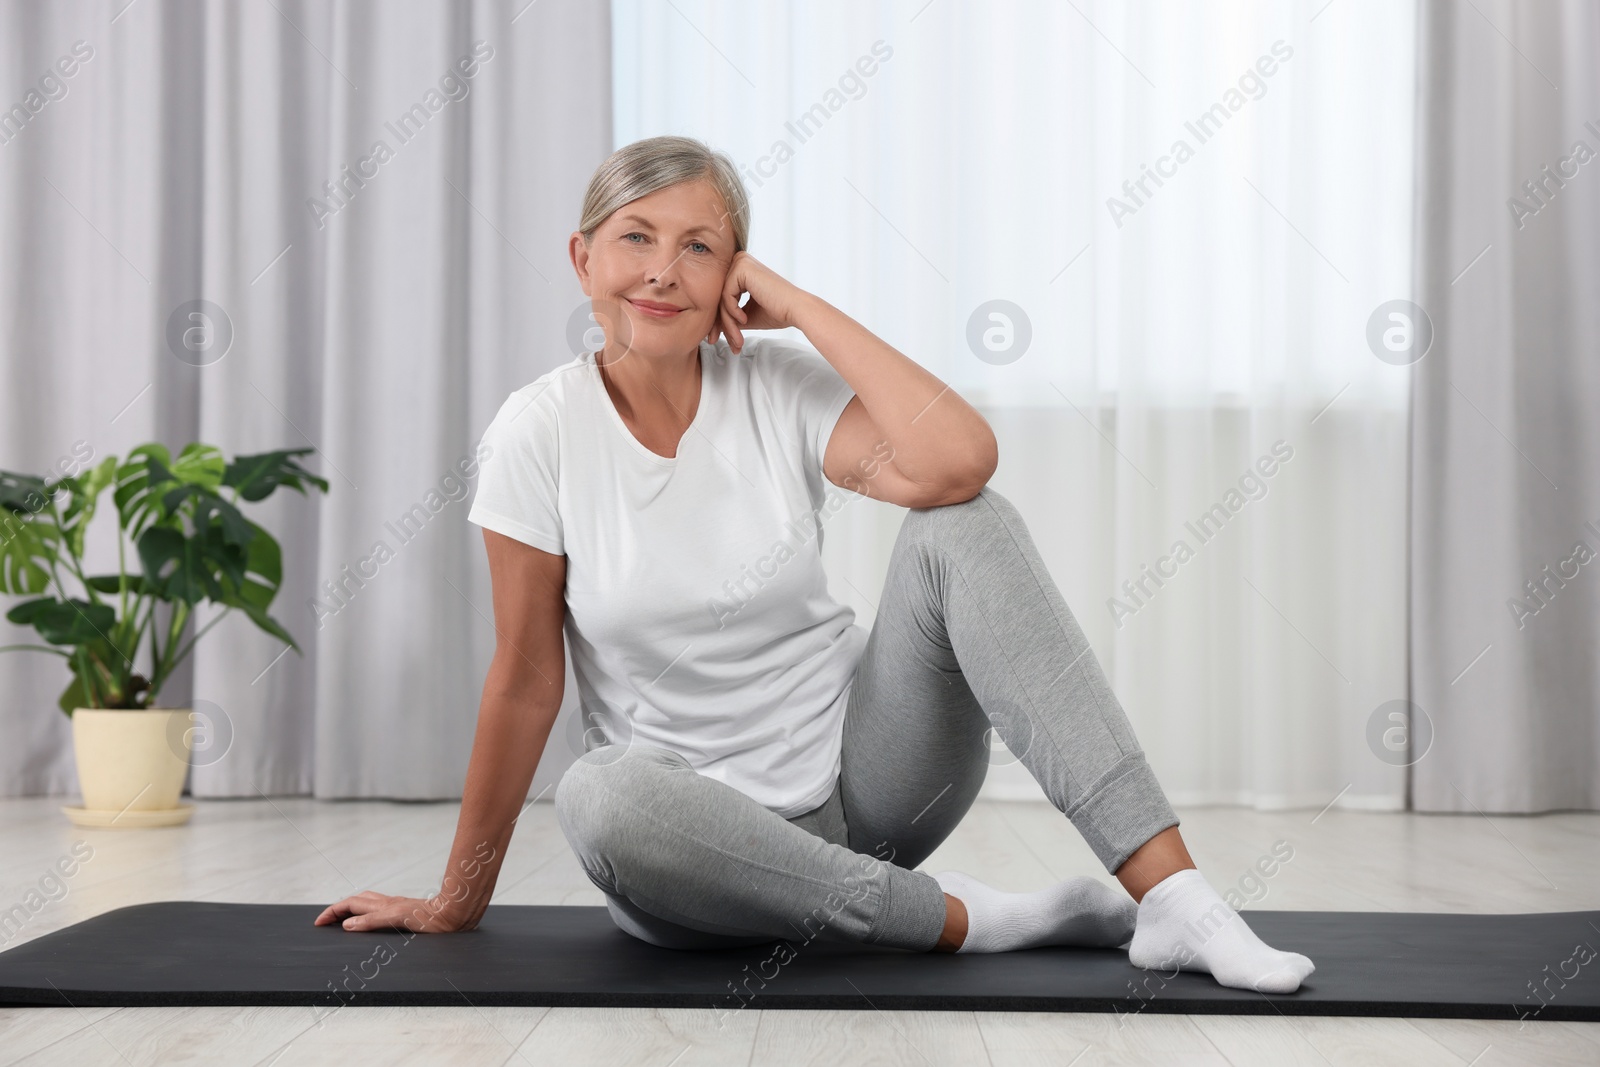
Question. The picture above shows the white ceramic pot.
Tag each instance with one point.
(131, 765)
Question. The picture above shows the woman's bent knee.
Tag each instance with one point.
(598, 795)
(987, 513)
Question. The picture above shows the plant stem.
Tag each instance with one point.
(180, 616)
(97, 679)
(184, 651)
(72, 557)
(139, 603)
(155, 642)
(122, 569)
(55, 573)
(36, 648)
(165, 663)
(135, 626)
(109, 682)
(80, 659)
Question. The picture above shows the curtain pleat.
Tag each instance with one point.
(1506, 449)
(377, 198)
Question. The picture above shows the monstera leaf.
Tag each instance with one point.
(70, 622)
(210, 566)
(26, 547)
(25, 494)
(143, 482)
(187, 567)
(138, 492)
(263, 577)
(209, 509)
(85, 490)
(256, 477)
(114, 583)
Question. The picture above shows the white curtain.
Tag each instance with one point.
(185, 158)
(1507, 454)
(912, 162)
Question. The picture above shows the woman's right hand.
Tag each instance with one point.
(372, 910)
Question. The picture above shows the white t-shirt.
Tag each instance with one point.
(698, 614)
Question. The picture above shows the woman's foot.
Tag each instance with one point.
(1079, 911)
(1182, 922)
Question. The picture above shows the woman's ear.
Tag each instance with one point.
(578, 250)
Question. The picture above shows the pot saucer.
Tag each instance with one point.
(131, 819)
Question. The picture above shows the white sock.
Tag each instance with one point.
(1183, 921)
(1079, 911)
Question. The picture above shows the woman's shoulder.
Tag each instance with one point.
(553, 388)
(559, 382)
(535, 411)
(780, 362)
(787, 369)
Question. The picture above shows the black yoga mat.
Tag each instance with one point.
(1541, 966)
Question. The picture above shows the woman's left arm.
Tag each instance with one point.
(905, 437)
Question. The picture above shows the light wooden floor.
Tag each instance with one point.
(305, 851)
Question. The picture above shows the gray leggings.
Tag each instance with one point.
(970, 633)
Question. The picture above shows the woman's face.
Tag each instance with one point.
(655, 268)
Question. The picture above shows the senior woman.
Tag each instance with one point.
(757, 765)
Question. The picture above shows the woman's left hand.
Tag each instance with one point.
(772, 304)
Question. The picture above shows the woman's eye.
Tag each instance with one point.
(699, 246)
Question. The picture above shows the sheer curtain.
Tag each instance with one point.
(1148, 242)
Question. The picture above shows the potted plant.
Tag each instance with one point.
(192, 545)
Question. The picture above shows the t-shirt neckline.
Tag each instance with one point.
(622, 427)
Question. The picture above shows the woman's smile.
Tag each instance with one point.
(654, 310)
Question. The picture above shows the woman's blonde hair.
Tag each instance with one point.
(642, 167)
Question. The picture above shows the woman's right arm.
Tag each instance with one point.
(521, 697)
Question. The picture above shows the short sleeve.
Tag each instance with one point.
(517, 481)
(806, 393)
